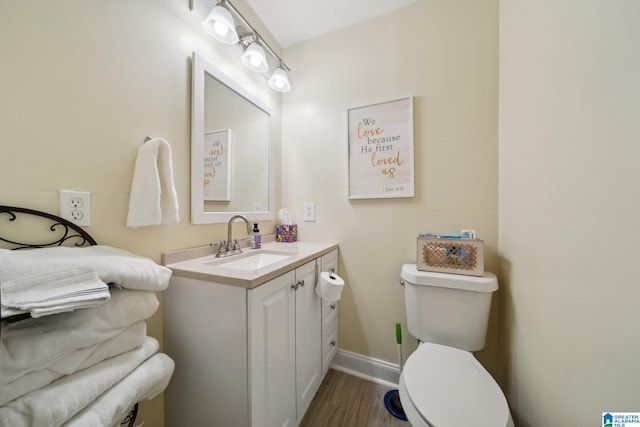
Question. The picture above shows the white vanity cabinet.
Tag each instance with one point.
(285, 346)
(246, 356)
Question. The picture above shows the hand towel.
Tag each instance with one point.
(49, 293)
(114, 266)
(62, 399)
(153, 199)
(144, 383)
(35, 343)
(80, 359)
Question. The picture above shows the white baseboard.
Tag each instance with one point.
(365, 367)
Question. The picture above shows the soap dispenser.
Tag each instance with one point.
(256, 239)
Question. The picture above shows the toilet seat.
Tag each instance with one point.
(448, 387)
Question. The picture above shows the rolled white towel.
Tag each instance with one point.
(144, 383)
(80, 359)
(58, 402)
(31, 344)
(114, 266)
(54, 292)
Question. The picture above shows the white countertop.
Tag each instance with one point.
(196, 263)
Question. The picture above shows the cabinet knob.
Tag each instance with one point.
(294, 287)
(300, 283)
(333, 343)
(332, 306)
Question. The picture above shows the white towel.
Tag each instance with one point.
(62, 399)
(114, 266)
(144, 383)
(153, 199)
(78, 360)
(31, 344)
(48, 293)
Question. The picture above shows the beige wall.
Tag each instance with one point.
(445, 55)
(81, 85)
(569, 208)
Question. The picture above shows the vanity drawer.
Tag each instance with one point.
(329, 313)
(329, 345)
(329, 308)
(330, 261)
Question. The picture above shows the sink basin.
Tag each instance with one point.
(249, 262)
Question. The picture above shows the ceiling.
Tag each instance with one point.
(294, 21)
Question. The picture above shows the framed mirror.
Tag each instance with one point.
(231, 165)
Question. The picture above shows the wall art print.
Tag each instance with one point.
(217, 165)
(381, 150)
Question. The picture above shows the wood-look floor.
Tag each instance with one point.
(347, 401)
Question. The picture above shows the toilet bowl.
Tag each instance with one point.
(443, 386)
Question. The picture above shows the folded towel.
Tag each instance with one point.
(60, 291)
(80, 359)
(32, 344)
(153, 199)
(114, 266)
(62, 399)
(144, 383)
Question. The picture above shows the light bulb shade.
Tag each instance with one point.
(219, 25)
(255, 59)
(279, 81)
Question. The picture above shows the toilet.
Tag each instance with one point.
(442, 384)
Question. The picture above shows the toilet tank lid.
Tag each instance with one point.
(486, 283)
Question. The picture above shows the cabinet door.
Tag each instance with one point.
(272, 352)
(308, 337)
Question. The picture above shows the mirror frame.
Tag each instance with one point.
(200, 66)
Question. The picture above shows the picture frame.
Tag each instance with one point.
(380, 140)
(217, 166)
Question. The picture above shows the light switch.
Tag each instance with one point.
(309, 211)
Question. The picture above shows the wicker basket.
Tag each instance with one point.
(457, 256)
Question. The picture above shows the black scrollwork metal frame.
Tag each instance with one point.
(131, 417)
(66, 233)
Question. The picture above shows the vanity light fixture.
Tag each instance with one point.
(279, 81)
(255, 59)
(219, 24)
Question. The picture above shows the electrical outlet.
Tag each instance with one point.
(76, 202)
(75, 206)
(309, 211)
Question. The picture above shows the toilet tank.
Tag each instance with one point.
(448, 309)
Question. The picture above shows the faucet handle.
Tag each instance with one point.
(222, 247)
(236, 242)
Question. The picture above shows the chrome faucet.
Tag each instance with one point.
(246, 221)
(230, 248)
